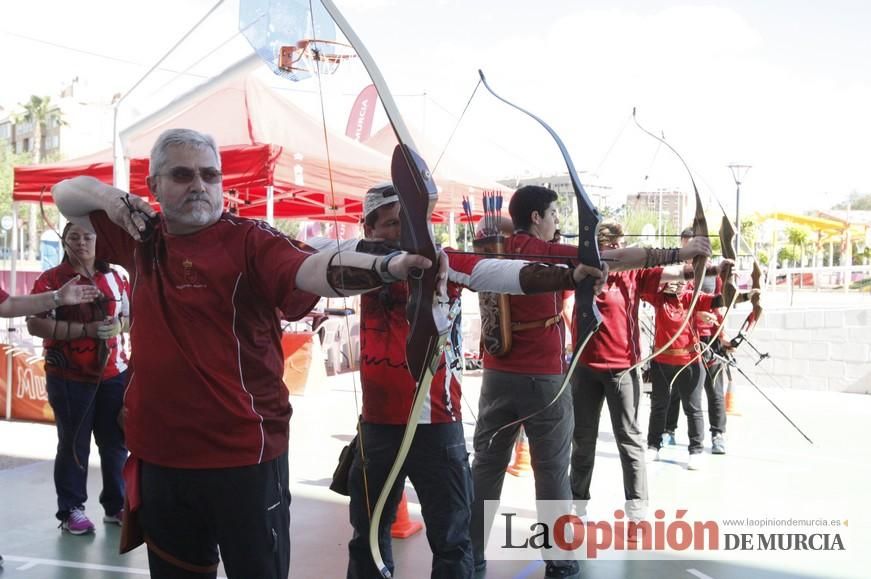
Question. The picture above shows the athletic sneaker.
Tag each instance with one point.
(668, 439)
(115, 519)
(652, 454)
(695, 462)
(570, 571)
(77, 523)
(718, 444)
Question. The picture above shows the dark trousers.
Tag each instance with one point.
(689, 387)
(81, 409)
(506, 397)
(190, 513)
(590, 389)
(438, 467)
(713, 392)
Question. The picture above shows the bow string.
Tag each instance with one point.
(428, 324)
(587, 316)
(700, 228)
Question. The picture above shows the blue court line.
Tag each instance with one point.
(529, 570)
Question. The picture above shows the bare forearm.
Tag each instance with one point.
(27, 305)
(78, 197)
(625, 258)
(684, 272)
(52, 329)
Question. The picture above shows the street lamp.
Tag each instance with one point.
(738, 172)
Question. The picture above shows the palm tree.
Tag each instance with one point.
(798, 238)
(37, 111)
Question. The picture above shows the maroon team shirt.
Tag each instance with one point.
(79, 359)
(616, 345)
(206, 388)
(671, 310)
(388, 387)
(3, 296)
(537, 350)
(707, 329)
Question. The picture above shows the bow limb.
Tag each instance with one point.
(700, 228)
(756, 312)
(428, 326)
(587, 318)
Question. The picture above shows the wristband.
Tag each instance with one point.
(384, 272)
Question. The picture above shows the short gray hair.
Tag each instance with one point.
(176, 138)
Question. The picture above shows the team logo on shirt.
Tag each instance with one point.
(189, 274)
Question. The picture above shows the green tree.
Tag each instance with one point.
(635, 221)
(798, 238)
(37, 111)
(786, 256)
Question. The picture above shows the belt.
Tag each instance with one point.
(678, 351)
(545, 323)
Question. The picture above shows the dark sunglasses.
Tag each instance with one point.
(186, 175)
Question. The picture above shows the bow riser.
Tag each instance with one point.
(418, 196)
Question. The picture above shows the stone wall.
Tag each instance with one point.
(817, 349)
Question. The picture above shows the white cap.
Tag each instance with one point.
(378, 196)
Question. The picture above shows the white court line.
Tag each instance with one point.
(31, 562)
(698, 574)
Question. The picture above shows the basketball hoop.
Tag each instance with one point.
(310, 55)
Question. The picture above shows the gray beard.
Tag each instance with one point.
(200, 216)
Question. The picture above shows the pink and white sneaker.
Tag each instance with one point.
(77, 523)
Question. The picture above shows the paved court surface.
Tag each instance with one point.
(768, 464)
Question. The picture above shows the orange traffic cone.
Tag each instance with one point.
(403, 527)
(731, 405)
(521, 465)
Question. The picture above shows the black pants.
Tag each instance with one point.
(713, 392)
(189, 513)
(505, 397)
(438, 467)
(81, 408)
(689, 387)
(590, 389)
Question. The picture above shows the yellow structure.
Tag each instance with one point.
(829, 229)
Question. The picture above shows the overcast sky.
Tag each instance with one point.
(783, 86)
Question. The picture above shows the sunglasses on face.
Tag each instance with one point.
(186, 175)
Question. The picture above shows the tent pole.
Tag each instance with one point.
(120, 174)
(452, 228)
(270, 205)
(9, 322)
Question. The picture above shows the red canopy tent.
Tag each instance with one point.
(268, 142)
(30, 180)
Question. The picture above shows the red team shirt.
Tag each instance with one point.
(536, 350)
(78, 359)
(616, 343)
(388, 387)
(707, 329)
(671, 311)
(204, 317)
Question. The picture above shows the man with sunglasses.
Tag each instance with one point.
(206, 410)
